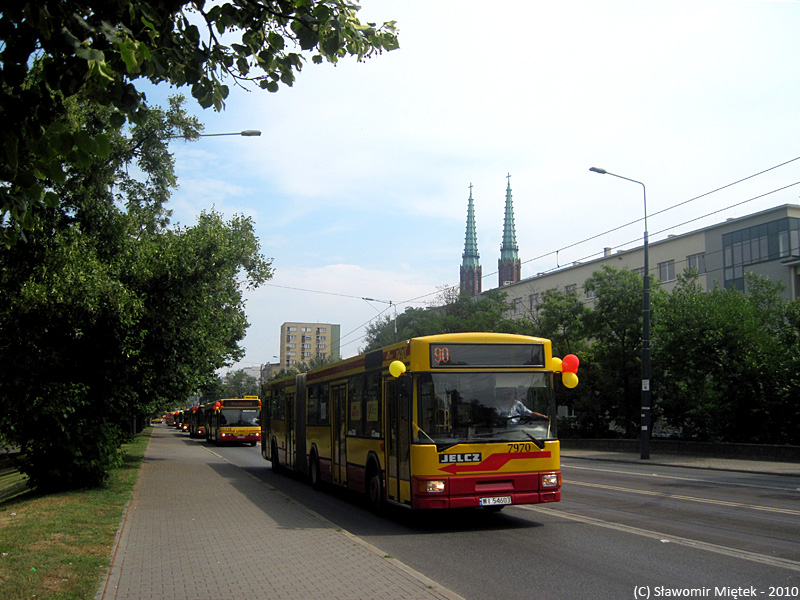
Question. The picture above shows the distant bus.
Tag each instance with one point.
(197, 422)
(234, 420)
(446, 421)
(182, 420)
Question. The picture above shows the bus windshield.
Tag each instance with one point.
(485, 407)
(239, 417)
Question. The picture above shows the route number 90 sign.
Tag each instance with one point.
(444, 356)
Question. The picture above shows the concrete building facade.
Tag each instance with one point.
(766, 243)
(302, 342)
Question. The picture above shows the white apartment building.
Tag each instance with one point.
(766, 243)
(302, 342)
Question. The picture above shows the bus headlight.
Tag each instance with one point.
(434, 486)
(550, 480)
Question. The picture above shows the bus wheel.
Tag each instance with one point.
(316, 482)
(374, 488)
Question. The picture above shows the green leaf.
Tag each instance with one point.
(128, 57)
(89, 54)
(51, 199)
(85, 142)
(276, 41)
(103, 145)
(307, 37)
(116, 120)
(106, 71)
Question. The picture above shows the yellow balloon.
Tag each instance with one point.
(555, 364)
(396, 368)
(569, 380)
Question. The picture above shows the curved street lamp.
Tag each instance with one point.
(245, 133)
(646, 400)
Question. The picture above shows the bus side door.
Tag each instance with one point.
(398, 447)
(290, 449)
(339, 424)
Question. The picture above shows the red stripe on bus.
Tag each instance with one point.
(493, 463)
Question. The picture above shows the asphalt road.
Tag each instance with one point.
(621, 531)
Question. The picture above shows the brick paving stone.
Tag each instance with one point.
(198, 527)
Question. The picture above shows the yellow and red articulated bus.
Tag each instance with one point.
(446, 421)
(197, 422)
(234, 421)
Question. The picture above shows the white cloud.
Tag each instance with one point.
(359, 182)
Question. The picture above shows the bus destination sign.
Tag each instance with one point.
(486, 355)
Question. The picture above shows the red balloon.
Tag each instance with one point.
(569, 364)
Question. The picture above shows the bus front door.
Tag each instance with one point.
(339, 401)
(398, 467)
(290, 441)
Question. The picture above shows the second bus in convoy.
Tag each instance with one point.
(233, 420)
(446, 421)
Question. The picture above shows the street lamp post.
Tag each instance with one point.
(245, 133)
(646, 400)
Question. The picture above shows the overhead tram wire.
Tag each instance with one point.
(286, 287)
(582, 241)
(666, 210)
(683, 223)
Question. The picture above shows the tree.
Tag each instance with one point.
(486, 313)
(728, 362)
(562, 318)
(101, 48)
(238, 384)
(315, 363)
(612, 368)
(107, 315)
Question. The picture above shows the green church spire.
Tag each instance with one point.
(509, 248)
(471, 258)
(509, 266)
(471, 272)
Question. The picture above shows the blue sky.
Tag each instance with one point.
(358, 185)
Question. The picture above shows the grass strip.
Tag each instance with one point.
(58, 546)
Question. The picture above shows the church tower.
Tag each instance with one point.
(471, 273)
(508, 266)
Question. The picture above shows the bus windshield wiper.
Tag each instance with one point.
(422, 431)
(539, 443)
(441, 447)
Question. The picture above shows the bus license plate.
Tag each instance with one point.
(495, 501)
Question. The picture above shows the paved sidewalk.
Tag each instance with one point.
(199, 528)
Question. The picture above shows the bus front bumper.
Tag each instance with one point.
(485, 490)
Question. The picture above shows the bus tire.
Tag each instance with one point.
(313, 471)
(374, 487)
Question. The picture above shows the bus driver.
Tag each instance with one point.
(510, 409)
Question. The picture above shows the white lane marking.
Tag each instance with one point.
(784, 511)
(782, 563)
(659, 476)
